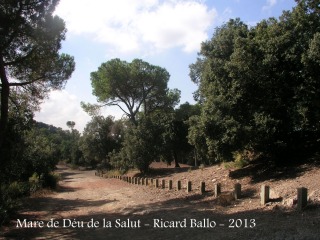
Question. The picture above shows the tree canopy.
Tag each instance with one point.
(259, 86)
(71, 124)
(30, 40)
(133, 86)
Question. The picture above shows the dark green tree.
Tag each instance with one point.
(260, 86)
(142, 143)
(218, 92)
(132, 87)
(175, 144)
(100, 137)
(30, 40)
(71, 124)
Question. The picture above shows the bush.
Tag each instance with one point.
(51, 180)
(17, 190)
(9, 198)
(35, 183)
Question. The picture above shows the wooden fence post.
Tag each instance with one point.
(179, 185)
(302, 198)
(202, 187)
(217, 189)
(189, 186)
(265, 192)
(237, 191)
(156, 183)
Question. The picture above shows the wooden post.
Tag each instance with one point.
(163, 183)
(217, 189)
(156, 184)
(189, 186)
(302, 198)
(237, 191)
(147, 181)
(265, 190)
(179, 185)
(202, 187)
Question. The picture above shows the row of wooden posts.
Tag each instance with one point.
(302, 193)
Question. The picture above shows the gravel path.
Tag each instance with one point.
(90, 207)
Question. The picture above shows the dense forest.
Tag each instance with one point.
(258, 97)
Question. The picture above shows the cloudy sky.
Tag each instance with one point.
(167, 33)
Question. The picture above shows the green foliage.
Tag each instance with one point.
(29, 55)
(132, 87)
(100, 137)
(36, 148)
(240, 160)
(51, 180)
(71, 124)
(141, 145)
(10, 195)
(30, 66)
(35, 182)
(140, 90)
(196, 137)
(161, 135)
(175, 144)
(17, 190)
(118, 160)
(259, 87)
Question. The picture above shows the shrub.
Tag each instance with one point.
(9, 198)
(17, 190)
(51, 180)
(35, 183)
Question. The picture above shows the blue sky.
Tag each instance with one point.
(167, 33)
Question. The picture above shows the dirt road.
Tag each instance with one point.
(89, 207)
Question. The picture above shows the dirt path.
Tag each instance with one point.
(123, 211)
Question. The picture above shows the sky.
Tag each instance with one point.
(166, 33)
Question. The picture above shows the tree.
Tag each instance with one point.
(218, 93)
(100, 137)
(30, 40)
(71, 124)
(142, 143)
(259, 87)
(132, 87)
(175, 132)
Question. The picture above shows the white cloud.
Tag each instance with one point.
(269, 5)
(139, 26)
(60, 108)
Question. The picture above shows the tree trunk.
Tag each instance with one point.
(176, 161)
(5, 91)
